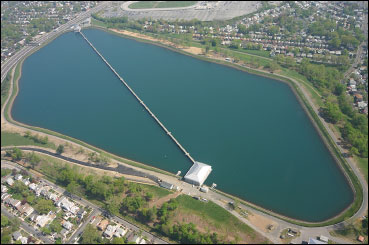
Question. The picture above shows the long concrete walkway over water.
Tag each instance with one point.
(142, 103)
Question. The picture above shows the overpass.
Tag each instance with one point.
(141, 102)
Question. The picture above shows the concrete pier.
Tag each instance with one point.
(141, 102)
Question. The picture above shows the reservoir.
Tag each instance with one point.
(250, 129)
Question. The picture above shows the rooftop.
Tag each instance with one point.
(198, 173)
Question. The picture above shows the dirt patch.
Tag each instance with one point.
(162, 200)
(191, 50)
(262, 222)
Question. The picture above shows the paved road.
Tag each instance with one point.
(95, 208)
(7, 65)
(80, 229)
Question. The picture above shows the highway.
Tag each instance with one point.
(8, 65)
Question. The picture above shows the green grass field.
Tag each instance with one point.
(157, 191)
(261, 53)
(157, 4)
(213, 213)
(363, 165)
(10, 139)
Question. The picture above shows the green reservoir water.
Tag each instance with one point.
(251, 129)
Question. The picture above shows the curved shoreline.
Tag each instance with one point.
(253, 71)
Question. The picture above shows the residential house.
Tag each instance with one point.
(64, 233)
(67, 225)
(120, 232)
(16, 235)
(14, 203)
(26, 181)
(3, 189)
(362, 104)
(53, 197)
(10, 181)
(38, 190)
(44, 192)
(5, 196)
(24, 240)
(110, 230)
(18, 177)
(81, 213)
(358, 97)
(25, 209)
(136, 239)
(143, 241)
(67, 205)
(41, 220)
(6, 199)
(32, 186)
(103, 224)
(352, 82)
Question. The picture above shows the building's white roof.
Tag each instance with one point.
(198, 172)
(314, 241)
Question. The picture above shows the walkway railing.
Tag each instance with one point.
(142, 103)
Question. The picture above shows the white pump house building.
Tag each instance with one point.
(198, 173)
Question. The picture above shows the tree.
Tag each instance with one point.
(44, 140)
(71, 187)
(4, 221)
(60, 149)
(207, 48)
(5, 239)
(354, 151)
(46, 230)
(149, 196)
(44, 206)
(16, 154)
(118, 240)
(339, 89)
(332, 112)
(33, 159)
(91, 235)
(18, 187)
(27, 134)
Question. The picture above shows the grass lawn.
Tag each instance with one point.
(98, 23)
(247, 58)
(10, 139)
(261, 53)
(157, 191)
(164, 4)
(363, 165)
(5, 171)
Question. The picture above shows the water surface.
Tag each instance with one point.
(251, 129)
